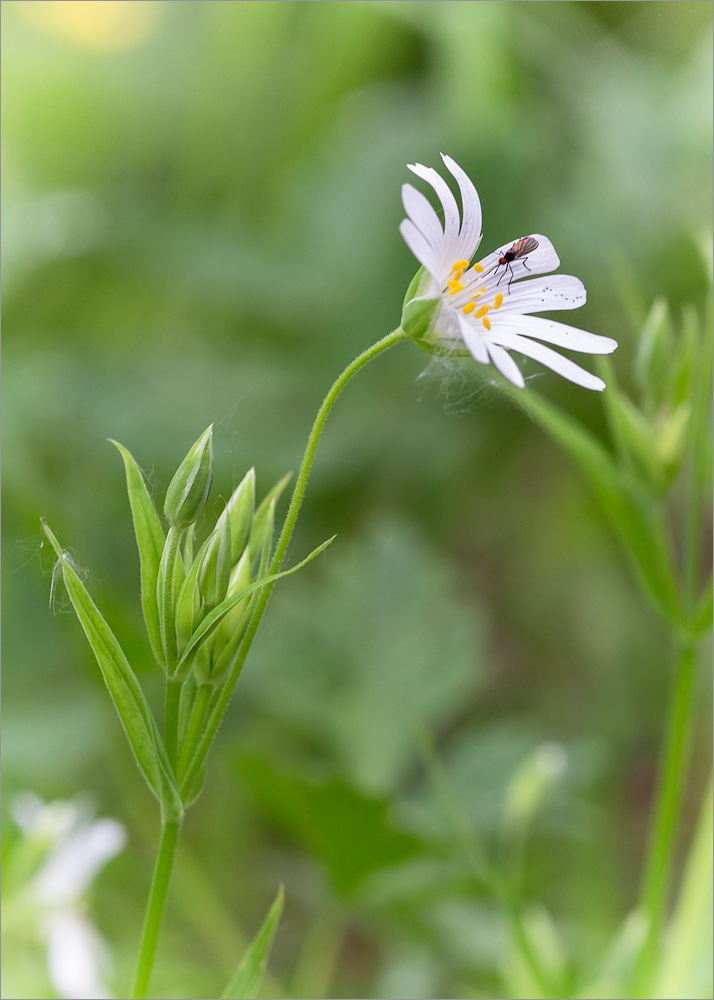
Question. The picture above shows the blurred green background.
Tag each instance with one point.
(200, 208)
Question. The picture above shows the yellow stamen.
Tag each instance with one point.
(497, 301)
(469, 307)
(454, 287)
(460, 265)
(487, 323)
(479, 291)
(478, 268)
(482, 312)
(458, 275)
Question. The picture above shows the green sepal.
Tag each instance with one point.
(133, 710)
(212, 620)
(419, 317)
(188, 490)
(260, 518)
(215, 561)
(189, 606)
(171, 568)
(246, 979)
(241, 507)
(150, 542)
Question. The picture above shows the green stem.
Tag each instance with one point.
(171, 718)
(195, 727)
(155, 908)
(298, 493)
(654, 895)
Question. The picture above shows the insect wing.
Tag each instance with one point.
(522, 247)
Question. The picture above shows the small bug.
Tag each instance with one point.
(519, 251)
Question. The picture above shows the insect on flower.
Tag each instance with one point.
(519, 251)
(466, 310)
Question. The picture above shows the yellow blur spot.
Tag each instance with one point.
(497, 301)
(482, 312)
(460, 265)
(487, 322)
(478, 268)
(469, 307)
(454, 287)
(93, 24)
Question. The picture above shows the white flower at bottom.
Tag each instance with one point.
(486, 307)
(74, 847)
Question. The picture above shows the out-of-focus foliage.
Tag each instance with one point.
(200, 208)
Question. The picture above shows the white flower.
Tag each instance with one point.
(74, 847)
(484, 306)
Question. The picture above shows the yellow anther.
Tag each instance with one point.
(479, 291)
(454, 287)
(487, 322)
(478, 268)
(458, 275)
(460, 265)
(469, 307)
(497, 301)
(482, 312)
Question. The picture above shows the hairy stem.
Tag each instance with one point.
(171, 719)
(155, 908)
(295, 503)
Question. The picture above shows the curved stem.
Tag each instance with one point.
(155, 908)
(291, 517)
(658, 865)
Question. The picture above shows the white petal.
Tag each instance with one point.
(420, 211)
(551, 331)
(470, 233)
(418, 245)
(448, 202)
(506, 365)
(551, 359)
(561, 291)
(473, 340)
(540, 261)
(74, 862)
(75, 955)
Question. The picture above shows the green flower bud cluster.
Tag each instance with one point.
(203, 599)
(654, 430)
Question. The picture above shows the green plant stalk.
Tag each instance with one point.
(658, 864)
(171, 718)
(155, 908)
(195, 727)
(214, 721)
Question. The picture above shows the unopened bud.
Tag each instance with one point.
(240, 510)
(216, 563)
(188, 490)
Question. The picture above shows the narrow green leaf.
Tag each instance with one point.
(633, 515)
(124, 688)
(246, 979)
(216, 616)
(150, 542)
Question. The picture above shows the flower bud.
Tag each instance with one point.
(189, 608)
(215, 569)
(189, 489)
(240, 510)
